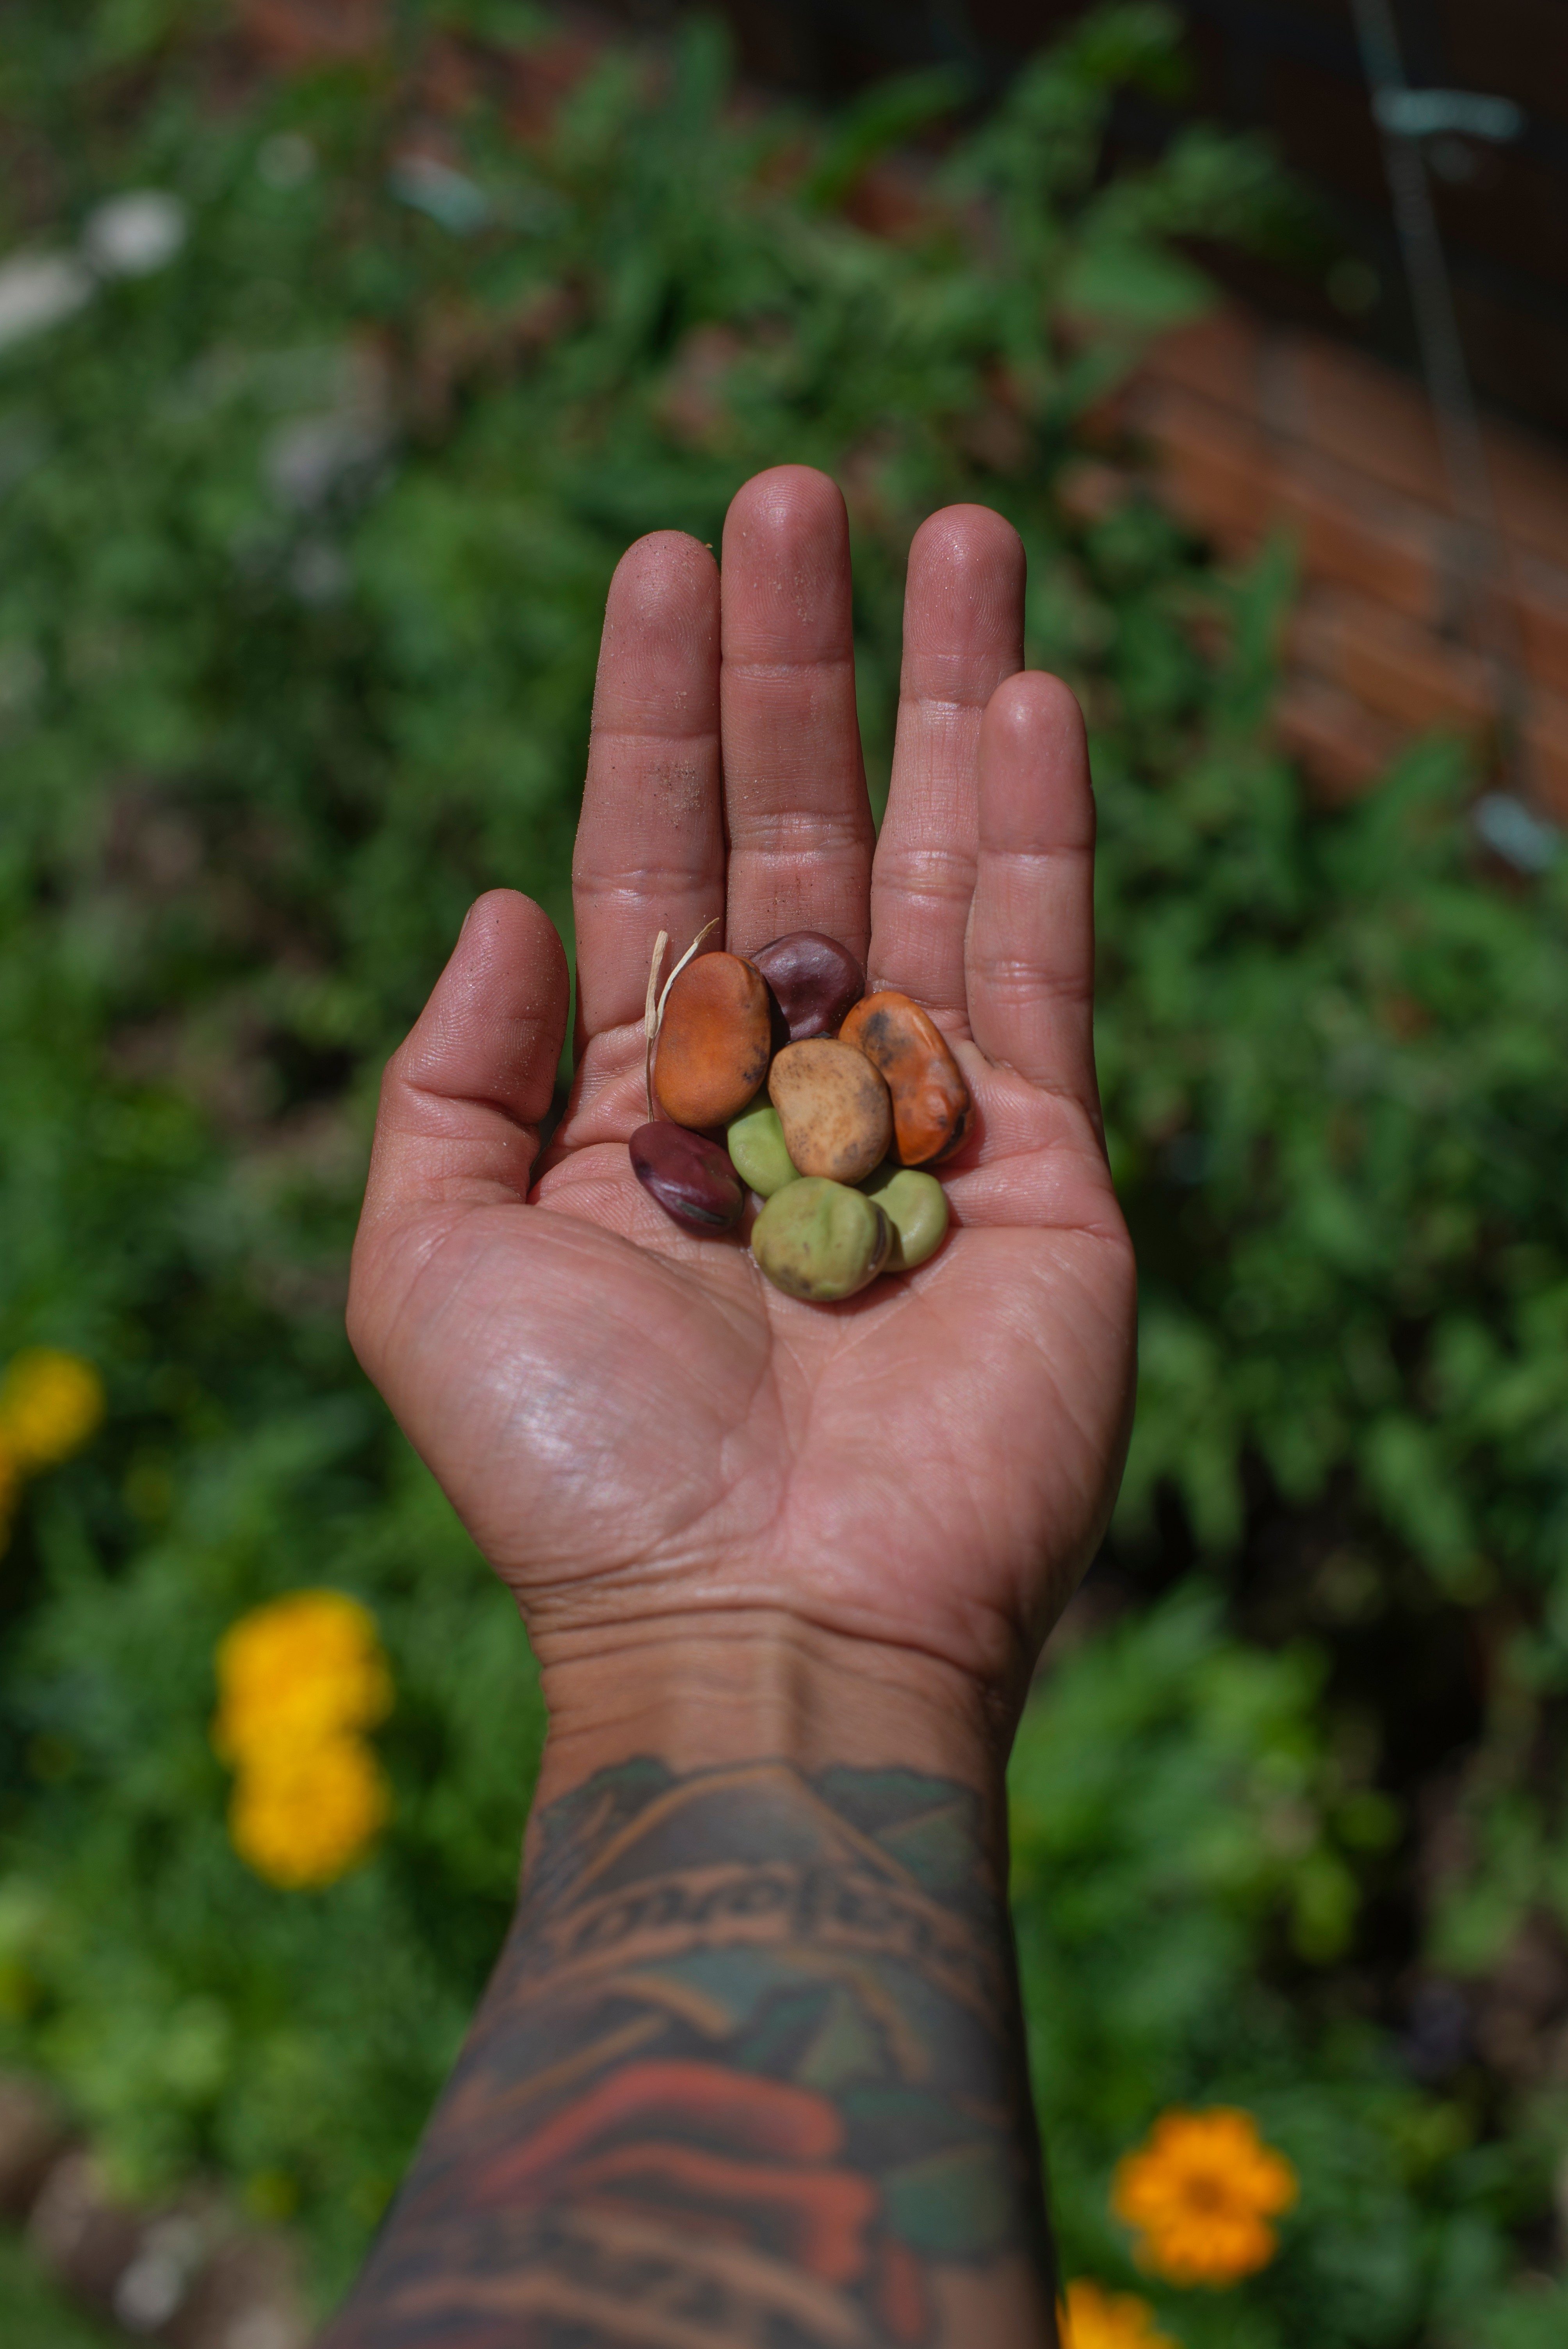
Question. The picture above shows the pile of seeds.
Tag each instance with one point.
(863, 1097)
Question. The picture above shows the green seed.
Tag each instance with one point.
(754, 1142)
(915, 1205)
(820, 1240)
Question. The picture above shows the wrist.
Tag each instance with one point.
(699, 1690)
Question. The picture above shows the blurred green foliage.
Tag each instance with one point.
(305, 535)
(1172, 1796)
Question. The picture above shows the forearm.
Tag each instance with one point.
(750, 2068)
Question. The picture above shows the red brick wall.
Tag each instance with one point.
(1251, 427)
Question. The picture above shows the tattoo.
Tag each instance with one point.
(749, 2076)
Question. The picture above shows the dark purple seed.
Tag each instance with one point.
(691, 1178)
(814, 981)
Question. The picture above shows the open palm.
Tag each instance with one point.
(634, 1426)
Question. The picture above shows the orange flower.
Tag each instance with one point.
(1200, 2192)
(1093, 2319)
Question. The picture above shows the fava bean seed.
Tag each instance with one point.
(915, 1205)
(820, 1241)
(690, 1177)
(714, 1042)
(755, 1141)
(814, 978)
(932, 1109)
(835, 1110)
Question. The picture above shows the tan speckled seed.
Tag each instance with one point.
(834, 1107)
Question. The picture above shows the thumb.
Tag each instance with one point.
(462, 1097)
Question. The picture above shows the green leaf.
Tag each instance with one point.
(886, 116)
(1133, 284)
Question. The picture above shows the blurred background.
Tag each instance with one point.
(344, 347)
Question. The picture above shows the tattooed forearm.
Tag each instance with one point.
(749, 2072)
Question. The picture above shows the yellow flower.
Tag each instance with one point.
(291, 1674)
(49, 1405)
(1094, 2319)
(1200, 2192)
(298, 1679)
(305, 1818)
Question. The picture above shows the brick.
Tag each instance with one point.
(1398, 552)
(1217, 358)
(1530, 484)
(1213, 468)
(1362, 415)
(1343, 746)
(1231, 482)
(1372, 421)
(1401, 671)
(1545, 746)
(1540, 606)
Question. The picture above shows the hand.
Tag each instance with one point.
(639, 1432)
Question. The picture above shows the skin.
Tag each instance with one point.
(744, 1530)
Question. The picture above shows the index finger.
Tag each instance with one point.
(650, 843)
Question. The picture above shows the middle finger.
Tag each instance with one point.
(799, 822)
